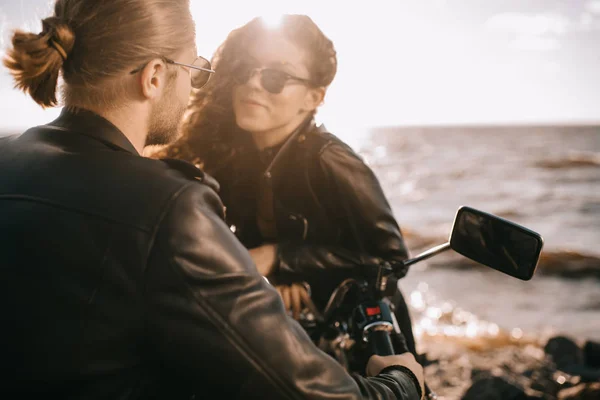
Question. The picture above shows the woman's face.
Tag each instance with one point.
(258, 110)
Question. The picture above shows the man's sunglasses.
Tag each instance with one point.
(272, 80)
(200, 70)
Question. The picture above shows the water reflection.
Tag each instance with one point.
(434, 318)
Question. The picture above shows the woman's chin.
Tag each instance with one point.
(251, 125)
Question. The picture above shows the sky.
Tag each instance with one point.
(401, 62)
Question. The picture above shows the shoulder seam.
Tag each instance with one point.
(161, 216)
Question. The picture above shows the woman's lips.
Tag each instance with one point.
(251, 102)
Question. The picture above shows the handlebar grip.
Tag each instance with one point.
(400, 343)
(380, 343)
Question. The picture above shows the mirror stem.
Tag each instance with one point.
(427, 254)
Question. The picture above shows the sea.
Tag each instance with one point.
(546, 178)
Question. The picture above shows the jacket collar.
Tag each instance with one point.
(90, 124)
(304, 127)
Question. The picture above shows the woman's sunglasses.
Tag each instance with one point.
(272, 80)
(200, 70)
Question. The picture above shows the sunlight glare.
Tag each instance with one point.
(516, 333)
(271, 20)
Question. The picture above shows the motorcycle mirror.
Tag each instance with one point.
(496, 242)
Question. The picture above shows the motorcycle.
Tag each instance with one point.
(358, 321)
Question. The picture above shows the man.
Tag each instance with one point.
(121, 279)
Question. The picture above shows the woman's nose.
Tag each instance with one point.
(254, 80)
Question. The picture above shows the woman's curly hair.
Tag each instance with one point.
(209, 128)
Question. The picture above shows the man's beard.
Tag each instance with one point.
(165, 118)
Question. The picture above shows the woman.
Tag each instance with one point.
(303, 203)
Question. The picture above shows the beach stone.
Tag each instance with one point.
(494, 388)
(570, 358)
(544, 382)
(479, 373)
(564, 352)
(591, 354)
(508, 372)
(581, 392)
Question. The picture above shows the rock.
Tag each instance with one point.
(569, 264)
(569, 357)
(543, 381)
(494, 388)
(591, 354)
(581, 392)
(564, 352)
(479, 373)
(509, 372)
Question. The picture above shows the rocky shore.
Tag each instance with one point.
(502, 368)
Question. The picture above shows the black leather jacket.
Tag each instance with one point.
(332, 218)
(121, 281)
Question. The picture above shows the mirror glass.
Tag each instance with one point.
(496, 242)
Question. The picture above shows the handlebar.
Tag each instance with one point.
(380, 343)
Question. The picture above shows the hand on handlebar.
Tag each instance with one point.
(377, 363)
(295, 298)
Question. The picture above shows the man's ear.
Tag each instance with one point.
(152, 78)
(314, 98)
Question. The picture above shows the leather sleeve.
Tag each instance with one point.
(210, 314)
(361, 207)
